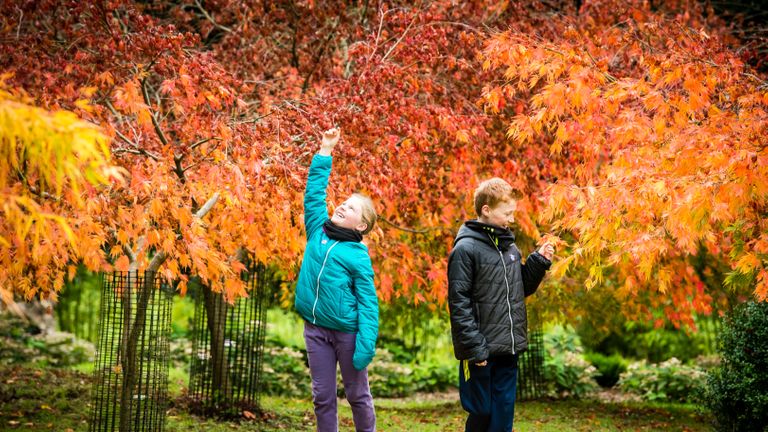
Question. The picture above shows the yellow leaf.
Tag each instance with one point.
(463, 136)
(747, 263)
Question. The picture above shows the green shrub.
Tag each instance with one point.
(63, 349)
(286, 372)
(667, 381)
(737, 391)
(566, 372)
(609, 368)
(391, 378)
(642, 341)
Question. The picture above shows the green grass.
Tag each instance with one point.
(58, 400)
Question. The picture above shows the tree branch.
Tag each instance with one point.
(203, 141)
(159, 131)
(136, 149)
(392, 48)
(161, 256)
(210, 18)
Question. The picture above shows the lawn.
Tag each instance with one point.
(57, 400)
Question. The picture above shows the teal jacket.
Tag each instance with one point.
(335, 288)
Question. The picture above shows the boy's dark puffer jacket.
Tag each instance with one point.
(487, 305)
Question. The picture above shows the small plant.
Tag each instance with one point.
(667, 381)
(566, 371)
(737, 390)
(609, 368)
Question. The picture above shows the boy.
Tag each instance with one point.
(336, 297)
(487, 286)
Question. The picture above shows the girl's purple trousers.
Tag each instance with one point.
(325, 348)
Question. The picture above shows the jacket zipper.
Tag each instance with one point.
(317, 286)
(509, 305)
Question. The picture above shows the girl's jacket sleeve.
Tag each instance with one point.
(315, 206)
(367, 314)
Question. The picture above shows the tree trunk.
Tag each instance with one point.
(216, 314)
(131, 333)
(130, 340)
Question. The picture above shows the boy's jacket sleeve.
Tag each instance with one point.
(468, 342)
(315, 206)
(533, 272)
(367, 316)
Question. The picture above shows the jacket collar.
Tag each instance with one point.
(497, 237)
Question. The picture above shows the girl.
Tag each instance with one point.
(336, 297)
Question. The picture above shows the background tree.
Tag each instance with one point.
(667, 125)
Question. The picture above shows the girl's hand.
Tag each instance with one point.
(547, 250)
(330, 139)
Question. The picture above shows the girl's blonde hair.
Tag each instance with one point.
(491, 192)
(368, 212)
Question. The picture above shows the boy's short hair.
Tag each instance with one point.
(368, 212)
(491, 192)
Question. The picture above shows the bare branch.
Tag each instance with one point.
(21, 19)
(203, 141)
(207, 206)
(43, 194)
(152, 115)
(136, 149)
(178, 169)
(210, 18)
(109, 105)
(132, 255)
(392, 48)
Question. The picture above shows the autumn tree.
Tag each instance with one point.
(47, 160)
(667, 126)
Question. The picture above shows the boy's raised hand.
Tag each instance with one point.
(330, 139)
(547, 250)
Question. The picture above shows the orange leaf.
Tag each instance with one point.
(122, 264)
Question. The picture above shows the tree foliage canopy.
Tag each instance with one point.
(635, 130)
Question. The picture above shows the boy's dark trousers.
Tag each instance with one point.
(488, 394)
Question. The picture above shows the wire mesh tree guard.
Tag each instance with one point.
(228, 349)
(530, 383)
(130, 389)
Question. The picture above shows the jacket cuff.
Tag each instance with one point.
(480, 356)
(541, 260)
